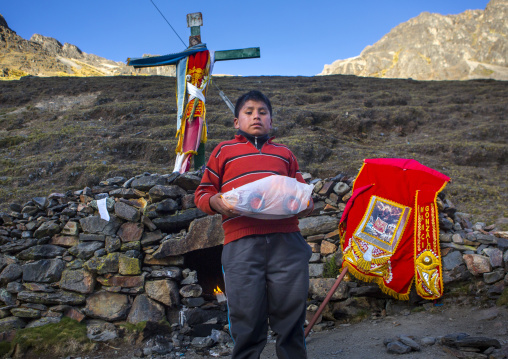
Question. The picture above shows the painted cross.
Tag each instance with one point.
(193, 74)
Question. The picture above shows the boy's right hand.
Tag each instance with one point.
(218, 205)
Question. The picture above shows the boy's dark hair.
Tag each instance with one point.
(253, 95)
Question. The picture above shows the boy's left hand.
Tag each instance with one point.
(307, 210)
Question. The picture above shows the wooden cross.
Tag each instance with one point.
(195, 21)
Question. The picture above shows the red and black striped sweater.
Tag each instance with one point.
(237, 162)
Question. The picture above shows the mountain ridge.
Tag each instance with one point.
(45, 56)
(469, 45)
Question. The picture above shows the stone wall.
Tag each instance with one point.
(60, 257)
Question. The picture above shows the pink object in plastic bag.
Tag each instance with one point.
(272, 197)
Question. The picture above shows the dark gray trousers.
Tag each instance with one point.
(267, 280)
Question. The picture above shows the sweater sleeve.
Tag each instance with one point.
(209, 186)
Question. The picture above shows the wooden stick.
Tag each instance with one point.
(327, 299)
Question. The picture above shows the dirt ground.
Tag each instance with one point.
(365, 339)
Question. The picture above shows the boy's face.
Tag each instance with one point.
(254, 118)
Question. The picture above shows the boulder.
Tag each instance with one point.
(144, 183)
(477, 264)
(164, 291)
(64, 241)
(129, 266)
(43, 271)
(145, 309)
(107, 306)
(203, 233)
(102, 265)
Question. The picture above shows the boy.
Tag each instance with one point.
(265, 262)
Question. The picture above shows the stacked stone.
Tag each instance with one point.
(58, 257)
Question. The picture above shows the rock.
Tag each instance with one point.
(123, 281)
(129, 266)
(11, 273)
(130, 232)
(129, 213)
(85, 250)
(101, 331)
(38, 287)
(89, 237)
(64, 241)
(28, 313)
(96, 225)
(188, 201)
(59, 297)
(316, 269)
(81, 281)
(202, 342)
(11, 323)
(47, 229)
(203, 233)
(316, 225)
(190, 278)
(167, 261)
(168, 272)
(113, 244)
(466, 341)
(43, 321)
(107, 306)
(409, 342)
(41, 252)
(149, 238)
(191, 290)
(397, 347)
(159, 193)
(494, 276)
(167, 205)
(6, 297)
(319, 288)
(102, 265)
(193, 302)
(71, 228)
(145, 309)
(452, 260)
(328, 248)
(17, 246)
(178, 221)
(341, 188)
(477, 264)
(145, 183)
(495, 256)
(164, 291)
(187, 181)
(43, 271)
(427, 341)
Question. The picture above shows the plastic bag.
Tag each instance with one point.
(272, 197)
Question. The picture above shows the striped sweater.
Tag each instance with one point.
(237, 162)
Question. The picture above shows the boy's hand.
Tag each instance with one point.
(218, 205)
(307, 210)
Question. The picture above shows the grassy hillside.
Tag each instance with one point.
(66, 133)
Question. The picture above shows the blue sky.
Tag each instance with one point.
(295, 37)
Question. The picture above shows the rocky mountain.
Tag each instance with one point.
(46, 56)
(470, 45)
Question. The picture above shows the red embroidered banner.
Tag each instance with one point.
(384, 231)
